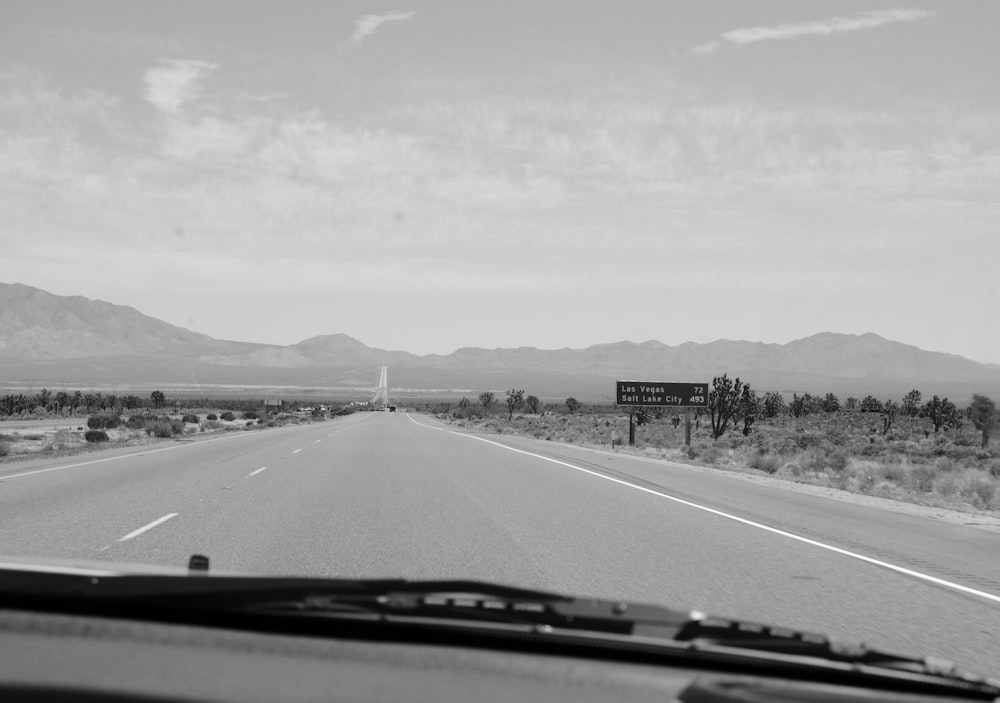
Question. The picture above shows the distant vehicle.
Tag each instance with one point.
(392, 408)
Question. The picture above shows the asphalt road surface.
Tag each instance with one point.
(399, 495)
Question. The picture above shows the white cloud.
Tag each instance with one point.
(707, 48)
(829, 25)
(210, 139)
(822, 27)
(366, 25)
(174, 83)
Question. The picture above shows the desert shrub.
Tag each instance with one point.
(710, 454)
(960, 452)
(908, 448)
(103, 422)
(251, 415)
(980, 491)
(893, 472)
(177, 426)
(812, 460)
(159, 428)
(870, 449)
(837, 461)
(840, 481)
(62, 439)
(763, 461)
(922, 477)
(4, 449)
(946, 484)
(211, 416)
(136, 422)
(191, 418)
(944, 465)
(249, 423)
(866, 482)
(228, 416)
(734, 441)
(211, 425)
(807, 440)
(93, 436)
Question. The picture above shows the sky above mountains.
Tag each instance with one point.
(447, 174)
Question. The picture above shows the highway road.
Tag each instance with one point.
(394, 494)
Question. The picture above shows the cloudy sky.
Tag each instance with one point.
(437, 174)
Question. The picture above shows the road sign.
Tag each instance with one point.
(674, 395)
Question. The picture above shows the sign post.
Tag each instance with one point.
(633, 394)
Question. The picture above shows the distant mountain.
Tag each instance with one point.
(825, 362)
(49, 337)
(325, 350)
(36, 325)
(831, 355)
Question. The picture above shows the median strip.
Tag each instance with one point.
(130, 455)
(148, 527)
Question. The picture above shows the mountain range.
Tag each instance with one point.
(60, 340)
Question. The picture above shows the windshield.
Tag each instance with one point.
(447, 289)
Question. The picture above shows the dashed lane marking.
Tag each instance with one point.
(148, 527)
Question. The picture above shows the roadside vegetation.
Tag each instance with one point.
(930, 452)
(65, 423)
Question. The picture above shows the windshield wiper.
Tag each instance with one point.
(486, 607)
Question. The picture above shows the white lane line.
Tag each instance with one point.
(296, 451)
(317, 441)
(123, 456)
(254, 473)
(431, 427)
(750, 523)
(150, 526)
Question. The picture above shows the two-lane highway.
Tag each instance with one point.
(381, 494)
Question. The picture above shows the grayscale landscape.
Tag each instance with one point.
(347, 290)
(50, 340)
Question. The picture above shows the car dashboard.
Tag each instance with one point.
(73, 658)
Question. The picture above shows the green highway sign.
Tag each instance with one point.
(674, 395)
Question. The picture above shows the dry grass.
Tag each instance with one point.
(840, 451)
(65, 440)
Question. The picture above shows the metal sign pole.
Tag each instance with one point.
(631, 431)
(687, 428)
